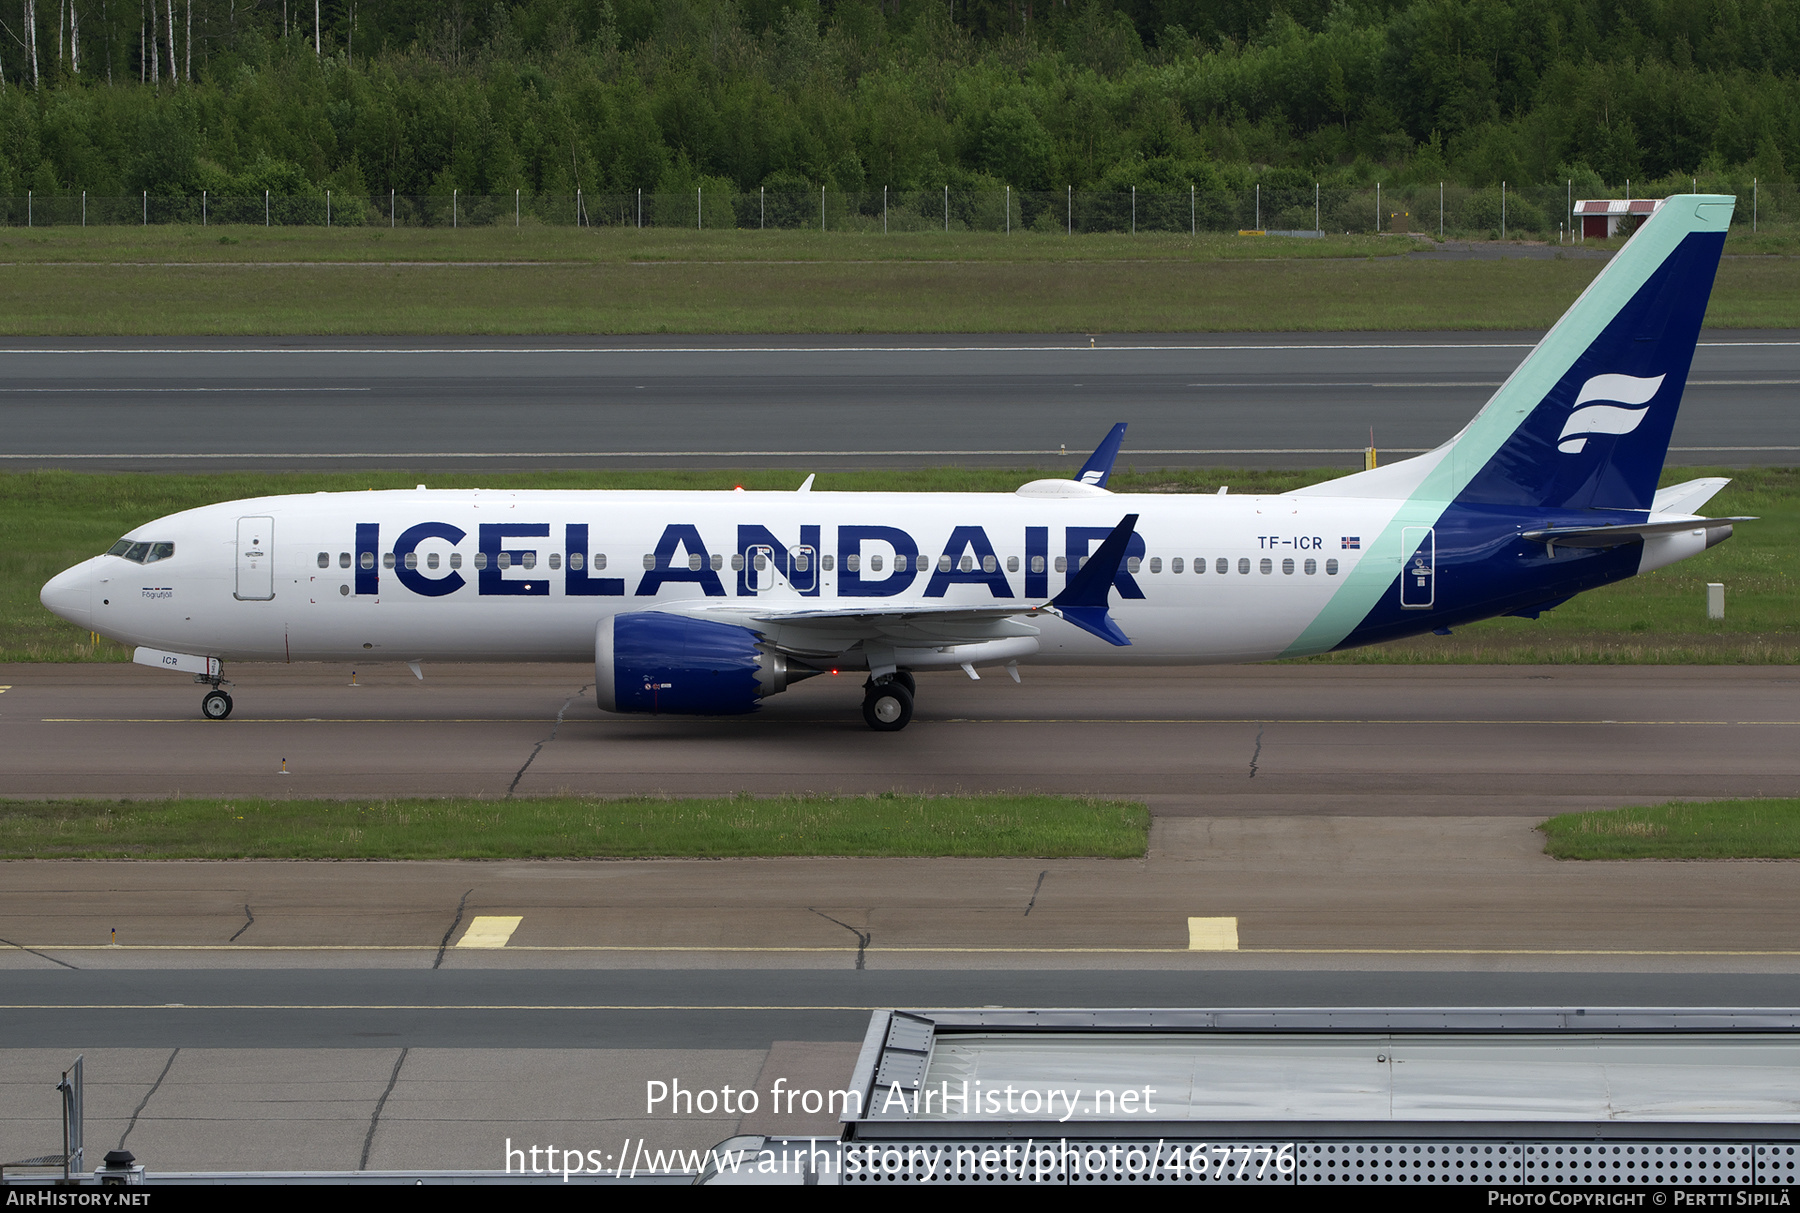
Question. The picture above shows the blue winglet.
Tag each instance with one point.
(1083, 602)
(1099, 464)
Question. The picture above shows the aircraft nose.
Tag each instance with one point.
(70, 594)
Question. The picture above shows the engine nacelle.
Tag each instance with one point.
(652, 661)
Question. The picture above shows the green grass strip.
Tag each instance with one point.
(888, 825)
(1710, 829)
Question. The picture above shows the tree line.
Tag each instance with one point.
(173, 97)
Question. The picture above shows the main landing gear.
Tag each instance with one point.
(888, 702)
(215, 704)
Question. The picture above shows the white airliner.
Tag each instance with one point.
(705, 603)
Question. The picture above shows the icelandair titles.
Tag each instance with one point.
(505, 557)
(504, 553)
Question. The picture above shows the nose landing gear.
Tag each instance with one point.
(215, 704)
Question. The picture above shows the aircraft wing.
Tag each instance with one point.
(815, 631)
(812, 632)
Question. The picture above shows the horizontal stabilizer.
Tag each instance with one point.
(1630, 532)
(1083, 602)
(1688, 497)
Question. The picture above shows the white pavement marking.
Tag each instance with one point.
(490, 931)
(1212, 935)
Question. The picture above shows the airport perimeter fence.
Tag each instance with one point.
(1450, 211)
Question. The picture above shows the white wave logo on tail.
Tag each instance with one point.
(1606, 418)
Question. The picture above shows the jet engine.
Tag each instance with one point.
(652, 661)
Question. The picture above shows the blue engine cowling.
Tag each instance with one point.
(651, 661)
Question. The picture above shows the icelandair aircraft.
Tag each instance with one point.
(706, 603)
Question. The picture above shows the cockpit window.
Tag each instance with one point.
(141, 551)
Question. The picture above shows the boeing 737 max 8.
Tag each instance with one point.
(708, 602)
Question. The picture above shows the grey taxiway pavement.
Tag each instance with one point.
(1232, 741)
(821, 403)
(1368, 833)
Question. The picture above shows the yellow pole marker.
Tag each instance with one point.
(489, 931)
(1211, 935)
(6, 688)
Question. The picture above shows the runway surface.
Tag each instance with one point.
(1368, 831)
(472, 405)
(238, 1010)
(1233, 741)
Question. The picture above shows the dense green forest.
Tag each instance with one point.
(426, 96)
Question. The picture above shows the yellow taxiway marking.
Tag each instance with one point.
(490, 931)
(1212, 935)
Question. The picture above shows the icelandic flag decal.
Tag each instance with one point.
(1352, 543)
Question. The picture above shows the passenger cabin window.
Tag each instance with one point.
(944, 563)
(599, 561)
(737, 562)
(718, 562)
(1267, 566)
(1012, 564)
(456, 560)
(1224, 566)
(367, 560)
(324, 560)
(853, 563)
(432, 561)
(528, 559)
(505, 560)
(556, 560)
(988, 564)
(1243, 564)
(875, 564)
(343, 560)
(824, 562)
(1312, 566)
(1037, 564)
(1156, 564)
(412, 560)
(479, 560)
(387, 560)
(1331, 567)
(899, 562)
(1062, 564)
(1287, 566)
(1175, 565)
(576, 560)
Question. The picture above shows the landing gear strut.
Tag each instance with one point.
(888, 706)
(215, 704)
